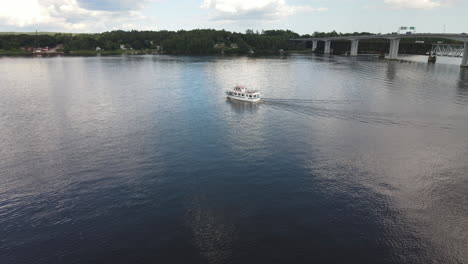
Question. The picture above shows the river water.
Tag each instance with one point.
(141, 159)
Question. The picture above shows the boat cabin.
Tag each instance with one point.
(242, 93)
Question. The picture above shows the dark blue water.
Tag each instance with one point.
(143, 160)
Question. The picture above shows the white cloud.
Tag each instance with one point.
(414, 4)
(66, 15)
(112, 5)
(253, 9)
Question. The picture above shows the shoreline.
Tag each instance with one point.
(89, 53)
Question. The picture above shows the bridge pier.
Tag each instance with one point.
(394, 45)
(327, 47)
(314, 45)
(465, 56)
(354, 47)
(395, 42)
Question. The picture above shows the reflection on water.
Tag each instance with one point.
(142, 159)
(213, 237)
(462, 91)
(240, 106)
(326, 109)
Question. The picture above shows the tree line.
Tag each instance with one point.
(200, 41)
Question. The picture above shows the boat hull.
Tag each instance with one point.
(238, 98)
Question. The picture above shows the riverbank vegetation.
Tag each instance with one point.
(192, 42)
(205, 41)
(14, 52)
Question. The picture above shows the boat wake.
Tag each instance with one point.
(331, 109)
(273, 100)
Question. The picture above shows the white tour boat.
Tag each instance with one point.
(241, 93)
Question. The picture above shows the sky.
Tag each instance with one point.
(301, 16)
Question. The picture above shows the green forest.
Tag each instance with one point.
(192, 42)
(201, 41)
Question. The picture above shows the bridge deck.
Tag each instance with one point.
(459, 37)
(394, 42)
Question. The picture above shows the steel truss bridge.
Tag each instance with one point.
(447, 50)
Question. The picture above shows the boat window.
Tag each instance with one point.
(243, 94)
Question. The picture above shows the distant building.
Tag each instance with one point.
(98, 49)
(122, 47)
(234, 46)
(57, 48)
(219, 46)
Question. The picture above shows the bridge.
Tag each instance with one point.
(394, 42)
(447, 50)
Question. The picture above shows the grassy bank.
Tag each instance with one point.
(107, 52)
(134, 52)
(17, 52)
(14, 52)
(307, 51)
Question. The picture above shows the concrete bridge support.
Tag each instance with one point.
(394, 45)
(354, 47)
(465, 56)
(314, 45)
(327, 47)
